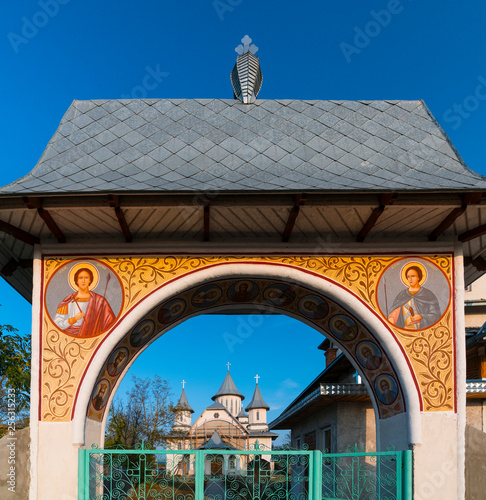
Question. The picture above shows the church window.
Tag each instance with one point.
(258, 415)
(231, 406)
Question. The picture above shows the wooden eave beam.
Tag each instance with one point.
(10, 267)
(18, 234)
(385, 199)
(206, 219)
(299, 201)
(57, 202)
(467, 199)
(479, 263)
(114, 202)
(473, 233)
(36, 203)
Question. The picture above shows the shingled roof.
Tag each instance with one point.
(201, 145)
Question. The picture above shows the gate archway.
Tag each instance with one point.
(279, 288)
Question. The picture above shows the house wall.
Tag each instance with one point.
(350, 423)
(475, 464)
(476, 414)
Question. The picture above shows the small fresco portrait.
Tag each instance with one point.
(369, 355)
(343, 327)
(142, 333)
(313, 307)
(386, 389)
(84, 313)
(100, 394)
(171, 310)
(206, 296)
(405, 301)
(242, 291)
(279, 294)
(117, 361)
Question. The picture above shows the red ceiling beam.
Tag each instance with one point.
(467, 199)
(385, 199)
(114, 202)
(36, 203)
(299, 201)
(206, 219)
(18, 234)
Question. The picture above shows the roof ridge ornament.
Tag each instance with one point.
(246, 77)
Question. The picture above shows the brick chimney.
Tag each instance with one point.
(331, 355)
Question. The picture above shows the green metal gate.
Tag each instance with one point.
(243, 475)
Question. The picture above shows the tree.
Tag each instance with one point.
(14, 378)
(146, 414)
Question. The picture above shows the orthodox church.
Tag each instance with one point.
(224, 424)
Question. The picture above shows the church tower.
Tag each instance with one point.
(182, 413)
(229, 396)
(257, 411)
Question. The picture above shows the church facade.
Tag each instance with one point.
(224, 425)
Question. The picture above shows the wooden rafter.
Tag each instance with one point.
(299, 201)
(206, 219)
(18, 234)
(479, 263)
(36, 203)
(467, 199)
(10, 267)
(114, 202)
(473, 233)
(385, 199)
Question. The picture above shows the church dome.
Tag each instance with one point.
(228, 388)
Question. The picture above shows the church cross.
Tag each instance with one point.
(183, 384)
(257, 377)
(228, 364)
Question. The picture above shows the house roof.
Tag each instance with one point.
(201, 145)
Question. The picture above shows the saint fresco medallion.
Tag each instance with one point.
(100, 394)
(386, 389)
(369, 355)
(243, 291)
(279, 294)
(117, 361)
(73, 304)
(171, 310)
(206, 296)
(142, 333)
(313, 307)
(343, 327)
(413, 294)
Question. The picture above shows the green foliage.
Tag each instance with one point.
(145, 415)
(14, 374)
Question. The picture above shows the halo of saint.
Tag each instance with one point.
(85, 313)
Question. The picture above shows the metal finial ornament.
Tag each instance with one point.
(246, 76)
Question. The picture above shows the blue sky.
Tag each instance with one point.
(54, 51)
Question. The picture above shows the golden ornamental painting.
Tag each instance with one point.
(85, 298)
